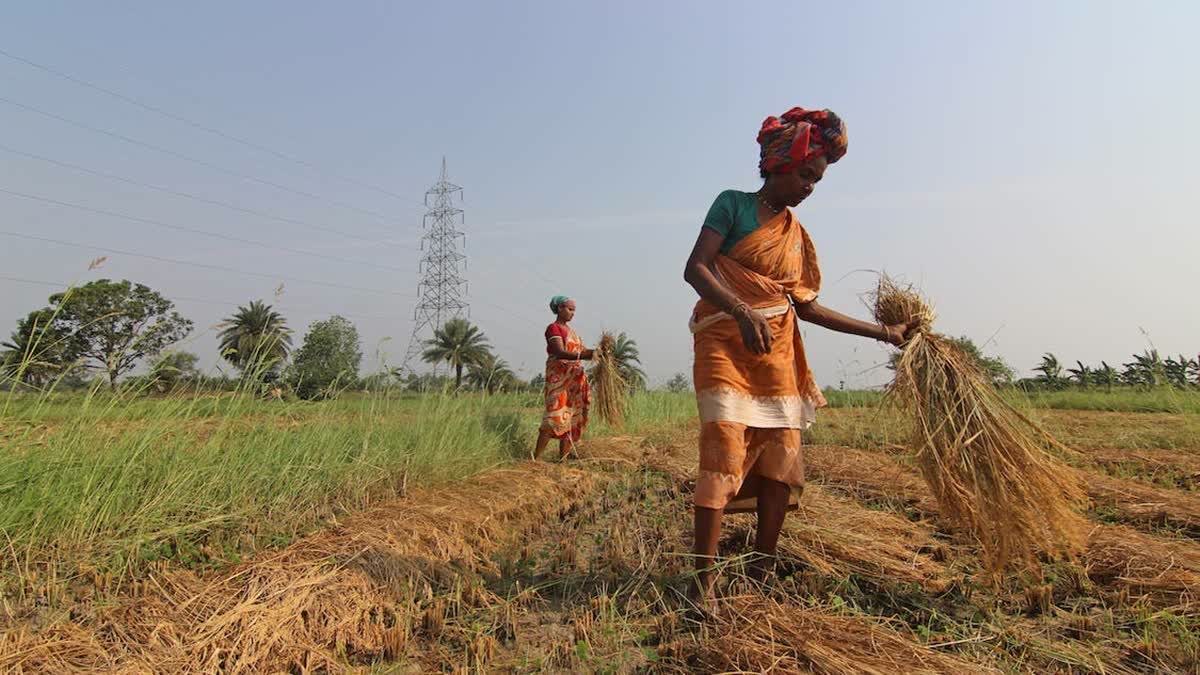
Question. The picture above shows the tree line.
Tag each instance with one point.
(1146, 370)
(105, 330)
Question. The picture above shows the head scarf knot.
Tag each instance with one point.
(800, 135)
(558, 301)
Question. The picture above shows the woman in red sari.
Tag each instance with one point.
(567, 392)
(756, 272)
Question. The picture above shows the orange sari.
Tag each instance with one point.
(753, 407)
(567, 394)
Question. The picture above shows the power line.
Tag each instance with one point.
(188, 158)
(197, 125)
(208, 301)
(203, 200)
(182, 228)
(188, 263)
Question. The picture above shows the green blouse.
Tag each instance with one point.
(734, 214)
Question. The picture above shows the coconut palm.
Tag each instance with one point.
(459, 344)
(255, 337)
(628, 360)
(490, 374)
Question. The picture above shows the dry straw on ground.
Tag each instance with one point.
(611, 389)
(358, 592)
(758, 634)
(987, 465)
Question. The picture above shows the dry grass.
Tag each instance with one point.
(1137, 502)
(356, 593)
(549, 568)
(612, 392)
(837, 537)
(759, 634)
(986, 464)
(1133, 564)
(1137, 564)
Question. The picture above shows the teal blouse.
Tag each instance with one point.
(734, 214)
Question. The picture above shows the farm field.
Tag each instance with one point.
(410, 534)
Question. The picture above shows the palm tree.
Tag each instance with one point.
(1146, 368)
(490, 374)
(1083, 375)
(1178, 371)
(255, 336)
(38, 351)
(628, 360)
(1105, 375)
(1051, 370)
(458, 343)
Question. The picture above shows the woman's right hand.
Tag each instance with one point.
(756, 330)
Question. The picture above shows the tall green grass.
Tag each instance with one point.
(1163, 399)
(117, 481)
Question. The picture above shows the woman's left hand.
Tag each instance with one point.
(587, 354)
(897, 334)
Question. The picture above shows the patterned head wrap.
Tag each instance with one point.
(800, 135)
(558, 301)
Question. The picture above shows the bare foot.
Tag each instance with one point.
(761, 568)
(702, 598)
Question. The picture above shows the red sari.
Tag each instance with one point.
(567, 392)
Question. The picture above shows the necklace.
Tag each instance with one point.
(769, 205)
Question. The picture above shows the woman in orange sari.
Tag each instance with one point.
(567, 393)
(756, 272)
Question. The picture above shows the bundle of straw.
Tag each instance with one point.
(611, 390)
(986, 463)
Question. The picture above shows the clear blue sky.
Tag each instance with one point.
(1030, 164)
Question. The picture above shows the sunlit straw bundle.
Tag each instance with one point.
(609, 386)
(986, 464)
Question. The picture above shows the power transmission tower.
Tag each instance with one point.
(443, 287)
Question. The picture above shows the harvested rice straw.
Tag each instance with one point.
(985, 462)
(611, 389)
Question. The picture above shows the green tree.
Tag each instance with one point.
(459, 344)
(628, 360)
(328, 358)
(256, 338)
(1146, 369)
(490, 374)
(173, 369)
(38, 351)
(423, 383)
(1177, 371)
(1051, 372)
(537, 382)
(1106, 375)
(115, 324)
(679, 383)
(1082, 375)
